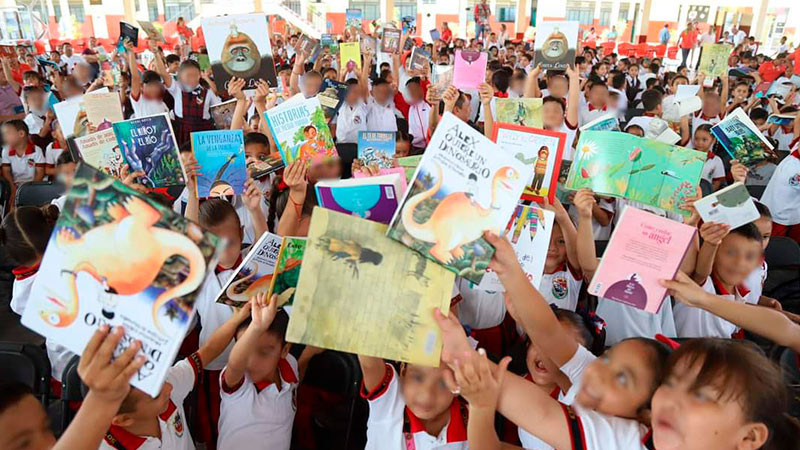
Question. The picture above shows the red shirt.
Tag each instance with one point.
(447, 35)
(769, 71)
(688, 39)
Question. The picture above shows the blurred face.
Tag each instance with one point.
(598, 95)
(262, 364)
(633, 71)
(465, 111)
(65, 173)
(152, 90)
(12, 136)
(328, 170)
(711, 104)
(702, 140)
(736, 258)
(189, 76)
(35, 100)
(381, 93)
(424, 391)
(740, 93)
(415, 92)
(552, 115)
(92, 42)
(68, 50)
(352, 95)
(542, 369)
(232, 232)
(55, 57)
(635, 130)
(764, 225)
(82, 73)
(557, 251)
(311, 85)
(402, 148)
(146, 407)
(26, 426)
(558, 86)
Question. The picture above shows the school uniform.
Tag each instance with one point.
(624, 321)
(191, 110)
(569, 145)
(35, 122)
(349, 121)
(590, 112)
(784, 136)
(713, 169)
(143, 107)
(561, 287)
(531, 442)
(755, 283)
(52, 153)
(760, 174)
(698, 118)
(71, 61)
(392, 426)
(620, 204)
(484, 312)
(23, 166)
(21, 289)
(695, 322)
(380, 117)
(259, 412)
(782, 195)
(592, 430)
(418, 114)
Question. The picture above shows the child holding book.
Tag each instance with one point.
(563, 276)
(558, 115)
(21, 160)
(713, 169)
(352, 115)
(53, 151)
(147, 89)
(65, 168)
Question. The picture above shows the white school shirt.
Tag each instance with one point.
(783, 138)
(713, 169)
(531, 442)
(479, 309)
(755, 283)
(177, 94)
(51, 154)
(23, 167)
(212, 314)
(349, 120)
(599, 431)
(782, 195)
(21, 289)
(569, 145)
(379, 117)
(34, 123)
(387, 413)
(699, 118)
(418, 123)
(143, 107)
(253, 413)
(561, 288)
(588, 113)
(71, 61)
(598, 231)
(175, 433)
(624, 321)
(694, 322)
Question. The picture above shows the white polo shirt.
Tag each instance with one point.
(418, 115)
(21, 289)
(561, 288)
(212, 314)
(782, 195)
(624, 321)
(755, 282)
(52, 153)
(260, 413)
(23, 167)
(695, 322)
(177, 93)
(599, 431)
(379, 117)
(349, 120)
(34, 123)
(479, 309)
(143, 107)
(713, 169)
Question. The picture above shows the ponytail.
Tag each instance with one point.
(25, 232)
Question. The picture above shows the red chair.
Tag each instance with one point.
(661, 50)
(640, 50)
(672, 52)
(590, 44)
(625, 49)
(608, 47)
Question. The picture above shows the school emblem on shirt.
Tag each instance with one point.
(795, 180)
(31, 162)
(560, 287)
(356, 119)
(177, 424)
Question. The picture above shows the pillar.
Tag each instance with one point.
(645, 21)
(758, 20)
(387, 12)
(160, 8)
(523, 9)
(614, 16)
(257, 6)
(141, 12)
(128, 6)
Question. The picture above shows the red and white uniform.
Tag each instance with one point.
(21, 289)
(782, 195)
(561, 287)
(592, 430)
(713, 169)
(755, 282)
(531, 442)
(695, 322)
(23, 166)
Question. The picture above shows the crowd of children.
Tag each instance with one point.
(553, 368)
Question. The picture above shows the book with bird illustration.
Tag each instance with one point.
(371, 198)
(220, 154)
(101, 151)
(148, 145)
(541, 149)
(361, 292)
(741, 138)
(525, 112)
(731, 205)
(254, 274)
(120, 258)
(638, 169)
(287, 270)
(643, 249)
(469, 69)
(376, 147)
(464, 186)
(300, 130)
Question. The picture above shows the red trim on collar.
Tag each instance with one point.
(29, 150)
(592, 107)
(501, 94)
(703, 116)
(286, 373)
(741, 290)
(456, 430)
(649, 114)
(23, 272)
(168, 412)
(381, 388)
(796, 152)
(219, 267)
(125, 438)
(554, 393)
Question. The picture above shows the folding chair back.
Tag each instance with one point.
(28, 364)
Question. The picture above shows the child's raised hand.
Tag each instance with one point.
(556, 207)
(688, 205)
(477, 381)
(738, 171)
(242, 313)
(106, 378)
(686, 290)
(584, 201)
(235, 87)
(486, 92)
(262, 91)
(504, 261)
(128, 178)
(252, 195)
(192, 171)
(263, 311)
(713, 233)
(295, 177)
(454, 339)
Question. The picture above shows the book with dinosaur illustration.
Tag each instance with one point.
(101, 151)
(371, 198)
(643, 249)
(102, 109)
(731, 205)
(220, 154)
(528, 230)
(464, 185)
(741, 138)
(120, 258)
(639, 169)
(339, 304)
(301, 131)
(376, 147)
(350, 55)
(287, 270)
(420, 59)
(714, 61)
(525, 112)
(556, 44)
(254, 274)
(538, 148)
(469, 70)
(390, 40)
(148, 145)
(331, 96)
(222, 114)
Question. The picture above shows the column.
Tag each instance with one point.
(597, 6)
(160, 8)
(387, 11)
(141, 13)
(758, 20)
(257, 6)
(614, 16)
(645, 21)
(128, 6)
(523, 9)
(65, 27)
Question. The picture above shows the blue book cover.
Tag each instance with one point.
(372, 198)
(148, 145)
(220, 154)
(376, 147)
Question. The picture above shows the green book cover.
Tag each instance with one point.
(287, 270)
(526, 112)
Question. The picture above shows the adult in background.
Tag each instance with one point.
(481, 13)
(664, 36)
(687, 41)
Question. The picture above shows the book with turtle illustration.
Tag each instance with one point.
(220, 154)
(254, 274)
(222, 114)
(117, 257)
(361, 292)
(376, 147)
(741, 138)
(644, 249)
(287, 270)
(714, 61)
(732, 205)
(301, 131)
(148, 145)
(101, 151)
(555, 45)
(371, 198)
(525, 112)
(639, 169)
(469, 69)
(464, 185)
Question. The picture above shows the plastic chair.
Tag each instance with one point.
(672, 52)
(660, 49)
(608, 47)
(28, 364)
(641, 50)
(38, 193)
(756, 191)
(71, 391)
(783, 263)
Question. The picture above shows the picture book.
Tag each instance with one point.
(389, 171)
(779, 89)
(203, 61)
(420, 59)
(435, 35)
(409, 164)
(220, 154)
(390, 42)
(264, 165)
(714, 61)
(238, 46)
(152, 31)
(353, 17)
(331, 96)
(254, 274)
(101, 151)
(116, 257)
(409, 44)
(222, 114)
(441, 79)
(556, 48)
(371, 198)
(391, 319)
(376, 147)
(782, 119)
(287, 270)
(464, 185)
(643, 249)
(528, 230)
(301, 131)
(369, 45)
(537, 148)
(761, 89)
(350, 55)
(525, 112)
(148, 145)
(127, 33)
(731, 205)
(469, 70)
(741, 138)
(307, 45)
(639, 169)
(72, 117)
(606, 122)
(102, 110)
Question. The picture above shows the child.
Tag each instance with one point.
(21, 161)
(352, 116)
(712, 112)
(652, 102)
(781, 195)
(562, 277)
(416, 111)
(558, 115)
(192, 100)
(290, 207)
(54, 151)
(597, 104)
(65, 168)
(713, 169)
(39, 119)
(147, 89)
(380, 112)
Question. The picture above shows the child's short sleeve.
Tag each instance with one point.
(573, 368)
(385, 401)
(38, 157)
(184, 375)
(591, 430)
(5, 159)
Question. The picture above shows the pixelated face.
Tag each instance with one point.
(542, 369)
(736, 258)
(381, 93)
(232, 232)
(425, 392)
(557, 251)
(263, 360)
(552, 115)
(189, 76)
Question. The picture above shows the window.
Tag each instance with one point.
(152, 10)
(506, 13)
(12, 30)
(174, 9)
(294, 5)
(605, 14)
(57, 12)
(624, 8)
(370, 9)
(582, 12)
(76, 10)
(405, 10)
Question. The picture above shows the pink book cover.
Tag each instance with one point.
(643, 249)
(389, 171)
(470, 69)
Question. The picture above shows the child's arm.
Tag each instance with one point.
(39, 173)
(712, 234)
(486, 100)
(295, 177)
(482, 389)
(252, 197)
(686, 134)
(263, 314)
(161, 69)
(587, 256)
(724, 95)
(222, 336)
(297, 70)
(532, 83)
(569, 232)
(262, 105)
(573, 102)
(433, 115)
(206, 75)
(235, 90)
(9, 78)
(372, 370)
(192, 211)
(136, 78)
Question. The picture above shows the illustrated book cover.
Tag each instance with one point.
(102, 109)
(101, 151)
(469, 70)
(148, 145)
(331, 96)
(741, 138)
(714, 61)
(376, 147)
(555, 45)
(287, 270)
(353, 17)
(301, 131)
(127, 32)
(350, 55)
(152, 31)
(419, 59)
(254, 274)
(732, 205)
(525, 112)
(222, 114)
(392, 170)
(371, 198)
(220, 154)
(390, 42)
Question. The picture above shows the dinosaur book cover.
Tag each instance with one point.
(254, 274)
(116, 257)
(101, 151)
(376, 147)
(541, 149)
(148, 145)
(639, 169)
(741, 138)
(555, 48)
(525, 112)
(287, 270)
(464, 185)
(301, 131)
(371, 198)
(363, 293)
(644, 248)
(220, 154)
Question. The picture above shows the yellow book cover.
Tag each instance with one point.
(350, 55)
(361, 292)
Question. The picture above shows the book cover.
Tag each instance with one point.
(376, 147)
(117, 257)
(331, 96)
(238, 46)
(761, 89)
(714, 61)
(464, 185)
(371, 198)
(606, 122)
(419, 59)
(301, 131)
(220, 154)
(469, 70)
(254, 274)
(353, 17)
(392, 170)
(731, 205)
(148, 144)
(72, 117)
(287, 270)
(528, 230)
(392, 319)
(555, 45)
(409, 44)
(741, 138)
(782, 119)
(525, 112)
(101, 151)
(202, 60)
(369, 45)
(409, 164)
(102, 110)
(537, 148)
(390, 42)
(329, 41)
(127, 32)
(441, 79)
(643, 249)
(152, 31)
(639, 169)
(779, 90)
(435, 35)
(350, 55)
(222, 114)
(264, 165)
(307, 45)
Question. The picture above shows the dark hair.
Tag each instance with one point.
(65, 158)
(277, 328)
(278, 200)
(704, 127)
(151, 76)
(463, 97)
(580, 59)
(11, 393)
(378, 82)
(659, 354)
(552, 99)
(651, 99)
(678, 77)
(351, 82)
(618, 80)
(759, 114)
(188, 64)
(763, 210)
(748, 231)
(414, 80)
(17, 124)
(173, 58)
(255, 137)
(500, 80)
(215, 211)
(586, 325)
(25, 232)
